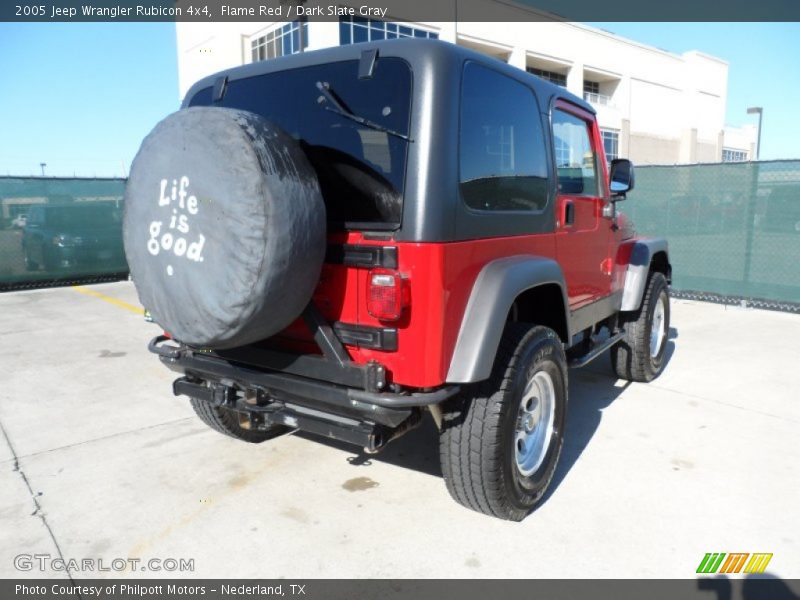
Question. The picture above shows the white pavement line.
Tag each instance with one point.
(38, 512)
(99, 439)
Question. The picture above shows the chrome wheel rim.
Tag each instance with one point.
(658, 328)
(535, 420)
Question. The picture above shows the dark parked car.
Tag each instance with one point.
(782, 210)
(86, 237)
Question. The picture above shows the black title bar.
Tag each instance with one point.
(763, 587)
(211, 11)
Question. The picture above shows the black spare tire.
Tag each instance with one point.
(224, 227)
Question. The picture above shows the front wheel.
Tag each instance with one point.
(640, 355)
(500, 443)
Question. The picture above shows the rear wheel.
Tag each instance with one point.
(640, 356)
(232, 423)
(500, 443)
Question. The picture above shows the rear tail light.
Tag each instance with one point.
(387, 294)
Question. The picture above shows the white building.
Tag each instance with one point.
(653, 106)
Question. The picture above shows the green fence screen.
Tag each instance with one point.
(60, 229)
(733, 228)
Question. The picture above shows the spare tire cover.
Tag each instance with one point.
(224, 227)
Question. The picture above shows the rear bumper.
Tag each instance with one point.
(316, 383)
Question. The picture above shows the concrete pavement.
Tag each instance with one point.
(101, 461)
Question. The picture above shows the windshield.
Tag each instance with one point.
(81, 217)
(360, 166)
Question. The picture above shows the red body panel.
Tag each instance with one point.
(441, 277)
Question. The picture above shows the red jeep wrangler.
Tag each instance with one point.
(343, 240)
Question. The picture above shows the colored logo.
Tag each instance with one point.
(719, 562)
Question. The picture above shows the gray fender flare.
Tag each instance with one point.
(497, 286)
(638, 269)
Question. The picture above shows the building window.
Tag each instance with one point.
(502, 154)
(280, 42)
(730, 155)
(591, 93)
(551, 76)
(610, 143)
(353, 30)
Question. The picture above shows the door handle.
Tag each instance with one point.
(569, 213)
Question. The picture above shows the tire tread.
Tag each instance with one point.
(471, 460)
(630, 358)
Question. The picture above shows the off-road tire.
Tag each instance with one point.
(477, 443)
(631, 358)
(233, 253)
(226, 421)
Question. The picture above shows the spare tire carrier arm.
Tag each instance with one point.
(325, 336)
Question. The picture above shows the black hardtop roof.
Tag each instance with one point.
(419, 53)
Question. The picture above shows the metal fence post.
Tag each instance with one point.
(750, 223)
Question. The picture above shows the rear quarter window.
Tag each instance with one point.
(502, 152)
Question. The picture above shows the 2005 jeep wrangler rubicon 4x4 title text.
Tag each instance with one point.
(343, 240)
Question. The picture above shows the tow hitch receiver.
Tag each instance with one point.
(219, 395)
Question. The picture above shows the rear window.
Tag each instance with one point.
(361, 168)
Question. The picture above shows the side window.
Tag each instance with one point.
(502, 152)
(576, 163)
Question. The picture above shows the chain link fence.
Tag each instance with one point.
(55, 230)
(733, 229)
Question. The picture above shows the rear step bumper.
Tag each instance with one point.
(229, 377)
(370, 436)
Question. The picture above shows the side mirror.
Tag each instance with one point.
(621, 178)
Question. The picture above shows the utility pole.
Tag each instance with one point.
(751, 207)
(757, 110)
